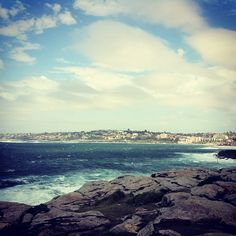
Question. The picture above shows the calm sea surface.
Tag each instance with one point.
(36, 172)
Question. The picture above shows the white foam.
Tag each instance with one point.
(209, 147)
(227, 147)
(9, 170)
(41, 189)
(205, 158)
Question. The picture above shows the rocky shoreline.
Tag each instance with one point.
(182, 202)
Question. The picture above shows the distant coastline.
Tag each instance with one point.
(124, 136)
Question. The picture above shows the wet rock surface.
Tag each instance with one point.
(174, 203)
(225, 154)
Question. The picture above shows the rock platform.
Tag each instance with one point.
(184, 202)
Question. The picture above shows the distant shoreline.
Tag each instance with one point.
(125, 136)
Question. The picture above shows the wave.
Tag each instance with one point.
(9, 170)
(206, 158)
(227, 147)
(210, 147)
(40, 189)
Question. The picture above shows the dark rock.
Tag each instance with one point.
(27, 218)
(38, 209)
(116, 196)
(197, 211)
(211, 191)
(69, 202)
(66, 222)
(168, 232)
(135, 184)
(210, 179)
(11, 213)
(172, 199)
(229, 187)
(148, 230)
(228, 175)
(216, 234)
(145, 212)
(230, 198)
(128, 227)
(225, 154)
(171, 186)
(147, 197)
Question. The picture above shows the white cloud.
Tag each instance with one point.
(32, 87)
(92, 87)
(63, 61)
(55, 7)
(99, 7)
(66, 18)
(44, 22)
(128, 67)
(19, 53)
(17, 28)
(98, 78)
(6, 14)
(123, 47)
(1, 64)
(184, 14)
(86, 88)
(20, 28)
(216, 46)
(40, 83)
(144, 63)
(181, 52)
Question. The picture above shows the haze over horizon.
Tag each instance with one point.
(160, 65)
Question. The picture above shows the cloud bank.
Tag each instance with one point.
(123, 65)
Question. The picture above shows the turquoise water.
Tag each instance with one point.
(36, 172)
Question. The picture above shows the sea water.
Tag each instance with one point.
(34, 173)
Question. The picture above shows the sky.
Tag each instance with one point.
(160, 65)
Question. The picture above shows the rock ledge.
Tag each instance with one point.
(174, 203)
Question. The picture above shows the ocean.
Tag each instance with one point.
(34, 173)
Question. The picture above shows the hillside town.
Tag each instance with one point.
(125, 136)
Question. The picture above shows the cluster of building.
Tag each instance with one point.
(129, 136)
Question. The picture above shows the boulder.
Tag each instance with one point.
(71, 201)
(66, 222)
(148, 230)
(168, 232)
(11, 213)
(211, 191)
(199, 211)
(225, 154)
(130, 226)
(230, 198)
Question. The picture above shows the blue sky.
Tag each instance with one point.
(162, 65)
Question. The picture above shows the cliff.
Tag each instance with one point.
(183, 202)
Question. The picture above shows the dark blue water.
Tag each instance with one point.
(36, 172)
